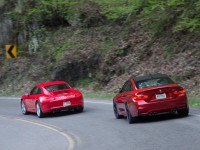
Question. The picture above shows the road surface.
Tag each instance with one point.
(94, 129)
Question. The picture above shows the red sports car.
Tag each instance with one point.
(52, 97)
(150, 95)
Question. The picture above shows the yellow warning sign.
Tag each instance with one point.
(11, 51)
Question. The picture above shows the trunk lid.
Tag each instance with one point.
(160, 93)
(63, 94)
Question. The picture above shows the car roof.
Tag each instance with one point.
(147, 77)
(50, 83)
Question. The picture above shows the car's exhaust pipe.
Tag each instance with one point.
(152, 113)
(174, 111)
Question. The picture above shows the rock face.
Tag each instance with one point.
(6, 28)
(6, 34)
(92, 48)
(75, 70)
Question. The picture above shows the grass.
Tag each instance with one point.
(106, 45)
(83, 83)
(98, 95)
(194, 101)
(9, 92)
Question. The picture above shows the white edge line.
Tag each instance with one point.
(92, 102)
(195, 115)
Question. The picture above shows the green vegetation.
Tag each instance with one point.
(194, 101)
(98, 95)
(106, 45)
(121, 9)
(180, 15)
(2, 3)
(83, 83)
(99, 26)
(46, 12)
(152, 15)
(168, 51)
(178, 79)
(66, 45)
(119, 52)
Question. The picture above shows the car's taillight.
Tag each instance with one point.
(140, 97)
(46, 99)
(119, 100)
(78, 94)
(180, 91)
(49, 99)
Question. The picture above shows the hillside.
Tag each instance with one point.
(96, 45)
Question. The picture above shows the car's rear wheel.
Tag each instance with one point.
(23, 108)
(130, 118)
(183, 113)
(117, 115)
(39, 112)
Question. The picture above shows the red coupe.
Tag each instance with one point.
(150, 95)
(52, 97)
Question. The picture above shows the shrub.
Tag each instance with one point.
(120, 9)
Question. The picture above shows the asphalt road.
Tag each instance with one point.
(94, 129)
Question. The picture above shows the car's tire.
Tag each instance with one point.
(129, 117)
(116, 113)
(39, 112)
(184, 112)
(23, 108)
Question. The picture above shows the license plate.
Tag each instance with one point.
(66, 103)
(161, 96)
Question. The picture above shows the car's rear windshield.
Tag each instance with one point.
(56, 87)
(154, 82)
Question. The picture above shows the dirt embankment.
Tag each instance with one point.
(175, 55)
(106, 56)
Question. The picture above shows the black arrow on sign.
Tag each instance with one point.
(10, 51)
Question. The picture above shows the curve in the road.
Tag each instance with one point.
(67, 136)
(96, 128)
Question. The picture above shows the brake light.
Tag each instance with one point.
(78, 94)
(180, 91)
(46, 99)
(140, 97)
(119, 99)
(61, 97)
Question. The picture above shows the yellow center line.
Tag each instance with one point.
(69, 139)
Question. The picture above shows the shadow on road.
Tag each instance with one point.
(158, 118)
(57, 114)
(63, 113)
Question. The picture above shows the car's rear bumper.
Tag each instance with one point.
(162, 106)
(55, 106)
(68, 108)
